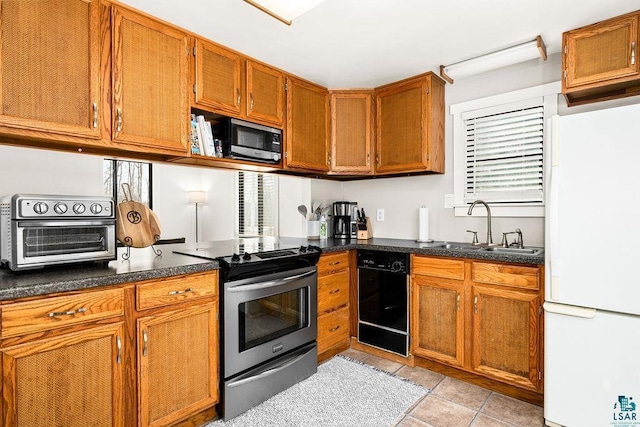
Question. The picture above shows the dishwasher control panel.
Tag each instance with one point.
(394, 262)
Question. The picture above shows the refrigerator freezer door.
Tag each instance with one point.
(592, 225)
(592, 373)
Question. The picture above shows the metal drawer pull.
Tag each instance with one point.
(119, 347)
(335, 291)
(334, 263)
(334, 329)
(180, 292)
(95, 114)
(145, 340)
(67, 313)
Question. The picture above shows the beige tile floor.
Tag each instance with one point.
(454, 403)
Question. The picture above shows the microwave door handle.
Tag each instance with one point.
(269, 284)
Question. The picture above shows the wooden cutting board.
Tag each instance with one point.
(138, 226)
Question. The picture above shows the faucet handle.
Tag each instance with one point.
(474, 241)
(505, 243)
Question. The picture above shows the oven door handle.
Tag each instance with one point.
(64, 222)
(269, 284)
(268, 372)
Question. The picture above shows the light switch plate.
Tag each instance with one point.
(380, 215)
(448, 201)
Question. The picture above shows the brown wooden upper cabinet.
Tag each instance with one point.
(351, 132)
(50, 68)
(600, 61)
(150, 68)
(231, 84)
(307, 142)
(410, 126)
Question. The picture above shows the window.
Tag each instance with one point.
(136, 174)
(499, 145)
(257, 204)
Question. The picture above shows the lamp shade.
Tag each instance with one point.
(196, 196)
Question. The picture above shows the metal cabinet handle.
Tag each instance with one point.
(458, 301)
(145, 340)
(335, 291)
(251, 103)
(67, 313)
(475, 304)
(334, 263)
(119, 116)
(368, 157)
(180, 292)
(119, 350)
(633, 53)
(95, 115)
(238, 96)
(378, 159)
(334, 329)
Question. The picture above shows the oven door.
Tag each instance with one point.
(42, 243)
(268, 316)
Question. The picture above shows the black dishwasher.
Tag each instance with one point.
(382, 300)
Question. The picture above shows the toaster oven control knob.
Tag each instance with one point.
(95, 208)
(60, 208)
(40, 208)
(79, 208)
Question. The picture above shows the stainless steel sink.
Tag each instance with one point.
(515, 251)
(461, 246)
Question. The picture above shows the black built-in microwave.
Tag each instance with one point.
(249, 141)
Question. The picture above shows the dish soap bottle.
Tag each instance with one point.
(323, 227)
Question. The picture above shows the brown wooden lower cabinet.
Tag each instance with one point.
(72, 379)
(178, 364)
(333, 329)
(487, 321)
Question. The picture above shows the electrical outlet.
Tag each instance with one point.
(448, 201)
(380, 215)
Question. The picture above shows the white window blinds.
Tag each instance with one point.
(504, 152)
(257, 204)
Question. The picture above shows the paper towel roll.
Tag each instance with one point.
(423, 224)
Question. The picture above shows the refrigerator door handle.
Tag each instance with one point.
(570, 310)
(553, 212)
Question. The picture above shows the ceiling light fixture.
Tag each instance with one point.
(285, 10)
(496, 59)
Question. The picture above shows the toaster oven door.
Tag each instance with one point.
(43, 243)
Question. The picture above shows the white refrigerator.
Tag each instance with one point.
(592, 289)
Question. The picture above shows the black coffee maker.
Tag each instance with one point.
(343, 213)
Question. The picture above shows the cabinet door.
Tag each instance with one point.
(72, 380)
(506, 339)
(410, 126)
(218, 77)
(601, 52)
(177, 364)
(437, 319)
(351, 125)
(149, 83)
(307, 126)
(50, 67)
(265, 93)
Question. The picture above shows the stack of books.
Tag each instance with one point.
(202, 141)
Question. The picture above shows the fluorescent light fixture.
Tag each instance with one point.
(285, 10)
(500, 58)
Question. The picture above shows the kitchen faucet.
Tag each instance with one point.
(489, 236)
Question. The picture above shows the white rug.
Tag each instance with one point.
(343, 393)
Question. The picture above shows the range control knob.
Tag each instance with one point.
(95, 208)
(397, 266)
(79, 208)
(60, 208)
(235, 257)
(40, 208)
(246, 256)
(302, 249)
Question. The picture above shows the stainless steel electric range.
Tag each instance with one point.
(269, 308)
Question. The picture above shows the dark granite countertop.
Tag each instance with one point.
(144, 265)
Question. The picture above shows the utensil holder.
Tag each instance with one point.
(313, 230)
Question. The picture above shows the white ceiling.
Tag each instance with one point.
(366, 43)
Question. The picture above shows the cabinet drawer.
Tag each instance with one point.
(333, 291)
(507, 275)
(169, 291)
(50, 313)
(333, 329)
(438, 267)
(329, 263)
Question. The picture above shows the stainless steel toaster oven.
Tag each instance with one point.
(42, 230)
